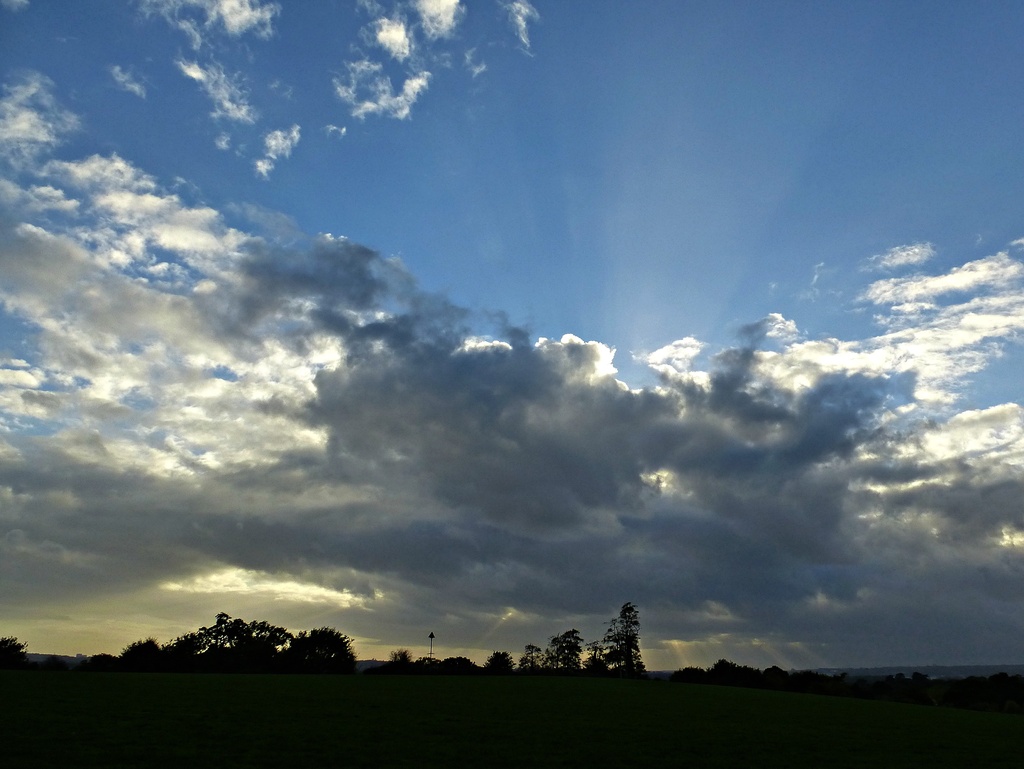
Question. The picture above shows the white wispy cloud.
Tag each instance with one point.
(31, 121)
(14, 5)
(989, 272)
(369, 91)
(229, 99)
(331, 129)
(475, 67)
(126, 81)
(439, 17)
(903, 256)
(521, 14)
(233, 17)
(277, 144)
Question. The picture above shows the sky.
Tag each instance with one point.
(484, 318)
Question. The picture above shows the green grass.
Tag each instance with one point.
(109, 720)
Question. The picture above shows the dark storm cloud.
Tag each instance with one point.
(520, 443)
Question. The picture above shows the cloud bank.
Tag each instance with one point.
(201, 419)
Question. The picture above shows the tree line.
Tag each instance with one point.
(230, 645)
(616, 654)
(233, 645)
(1000, 692)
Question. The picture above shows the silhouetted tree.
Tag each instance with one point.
(234, 645)
(596, 663)
(400, 662)
(623, 643)
(457, 666)
(183, 654)
(13, 655)
(689, 675)
(532, 659)
(564, 651)
(775, 678)
(323, 650)
(142, 657)
(726, 673)
(499, 663)
(400, 657)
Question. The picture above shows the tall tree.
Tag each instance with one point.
(532, 659)
(596, 663)
(623, 643)
(564, 651)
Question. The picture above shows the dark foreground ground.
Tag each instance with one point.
(142, 720)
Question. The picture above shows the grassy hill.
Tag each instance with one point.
(108, 720)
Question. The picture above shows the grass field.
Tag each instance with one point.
(139, 720)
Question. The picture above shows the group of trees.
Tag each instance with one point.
(616, 654)
(232, 645)
(999, 692)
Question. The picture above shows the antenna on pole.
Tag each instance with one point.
(431, 637)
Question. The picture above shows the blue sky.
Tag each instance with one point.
(492, 316)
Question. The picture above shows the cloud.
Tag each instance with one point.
(14, 5)
(228, 98)
(289, 427)
(990, 272)
(439, 17)
(903, 256)
(520, 14)
(127, 82)
(475, 67)
(31, 121)
(277, 144)
(331, 129)
(393, 37)
(370, 92)
(265, 586)
(233, 17)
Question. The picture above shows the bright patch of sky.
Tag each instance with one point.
(394, 311)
